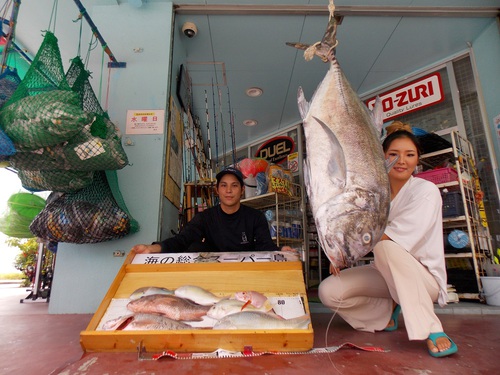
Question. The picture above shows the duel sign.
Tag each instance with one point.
(276, 149)
(416, 95)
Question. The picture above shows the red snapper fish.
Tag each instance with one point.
(171, 306)
(139, 322)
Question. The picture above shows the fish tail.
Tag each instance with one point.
(301, 321)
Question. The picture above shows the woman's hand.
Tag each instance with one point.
(334, 270)
(146, 249)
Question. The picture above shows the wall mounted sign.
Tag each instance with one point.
(418, 94)
(145, 121)
(276, 150)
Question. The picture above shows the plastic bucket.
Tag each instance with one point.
(491, 290)
(250, 187)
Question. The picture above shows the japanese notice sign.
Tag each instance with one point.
(145, 121)
(258, 256)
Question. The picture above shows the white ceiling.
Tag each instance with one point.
(379, 42)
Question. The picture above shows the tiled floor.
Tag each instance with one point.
(38, 343)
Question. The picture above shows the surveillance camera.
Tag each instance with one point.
(189, 29)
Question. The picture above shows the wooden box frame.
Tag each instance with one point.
(270, 278)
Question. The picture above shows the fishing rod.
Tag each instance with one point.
(195, 169)
(231, 127)
(215, 130)
(223, 132)
(114, 62)
(209, 164)
(10, 35)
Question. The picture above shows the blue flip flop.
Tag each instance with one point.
(394, 317)
(453, 348)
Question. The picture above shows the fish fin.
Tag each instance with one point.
(336, 171)
(377, 115)
(246, 304)
(303, 104)
(301, 46)
(307, 180)
(389, 164)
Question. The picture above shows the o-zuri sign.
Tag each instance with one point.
(416, 95)
(276, 149)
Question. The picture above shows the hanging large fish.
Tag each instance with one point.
(345, 174)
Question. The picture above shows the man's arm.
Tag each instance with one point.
(180, 243)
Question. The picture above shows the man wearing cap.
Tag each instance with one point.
(227, 227)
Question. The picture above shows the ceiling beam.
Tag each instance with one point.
(382, 11)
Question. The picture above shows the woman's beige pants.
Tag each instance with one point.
(363, 296)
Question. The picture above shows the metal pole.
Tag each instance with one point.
(114, 62)
(10, 36)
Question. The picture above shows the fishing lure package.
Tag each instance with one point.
(279, 180)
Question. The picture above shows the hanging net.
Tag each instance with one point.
(55, 180)
(90, 215)
(96, 147)
(45, 112)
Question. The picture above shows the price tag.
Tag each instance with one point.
(288, 307)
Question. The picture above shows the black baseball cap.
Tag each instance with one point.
(230, 170)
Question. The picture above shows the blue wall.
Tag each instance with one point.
(85, 272)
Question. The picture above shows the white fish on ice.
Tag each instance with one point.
(261, 320)
(197, 295)
(231, 306)
(148, 291)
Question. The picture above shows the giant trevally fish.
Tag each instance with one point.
(345, 173)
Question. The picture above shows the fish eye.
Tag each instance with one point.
(366, 238)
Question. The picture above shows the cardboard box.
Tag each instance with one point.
(269, 278)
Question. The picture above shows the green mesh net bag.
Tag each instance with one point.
(84, 152)
(90, 215)
(96, 147)
(99, 146)
(55, 180)
(43, 111)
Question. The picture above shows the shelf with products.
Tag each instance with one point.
(465, 229)
(285, 215)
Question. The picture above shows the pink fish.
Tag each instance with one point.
(171, 306)
(253, 298)
(135, 322)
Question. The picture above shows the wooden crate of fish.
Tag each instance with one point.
(201, 307)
